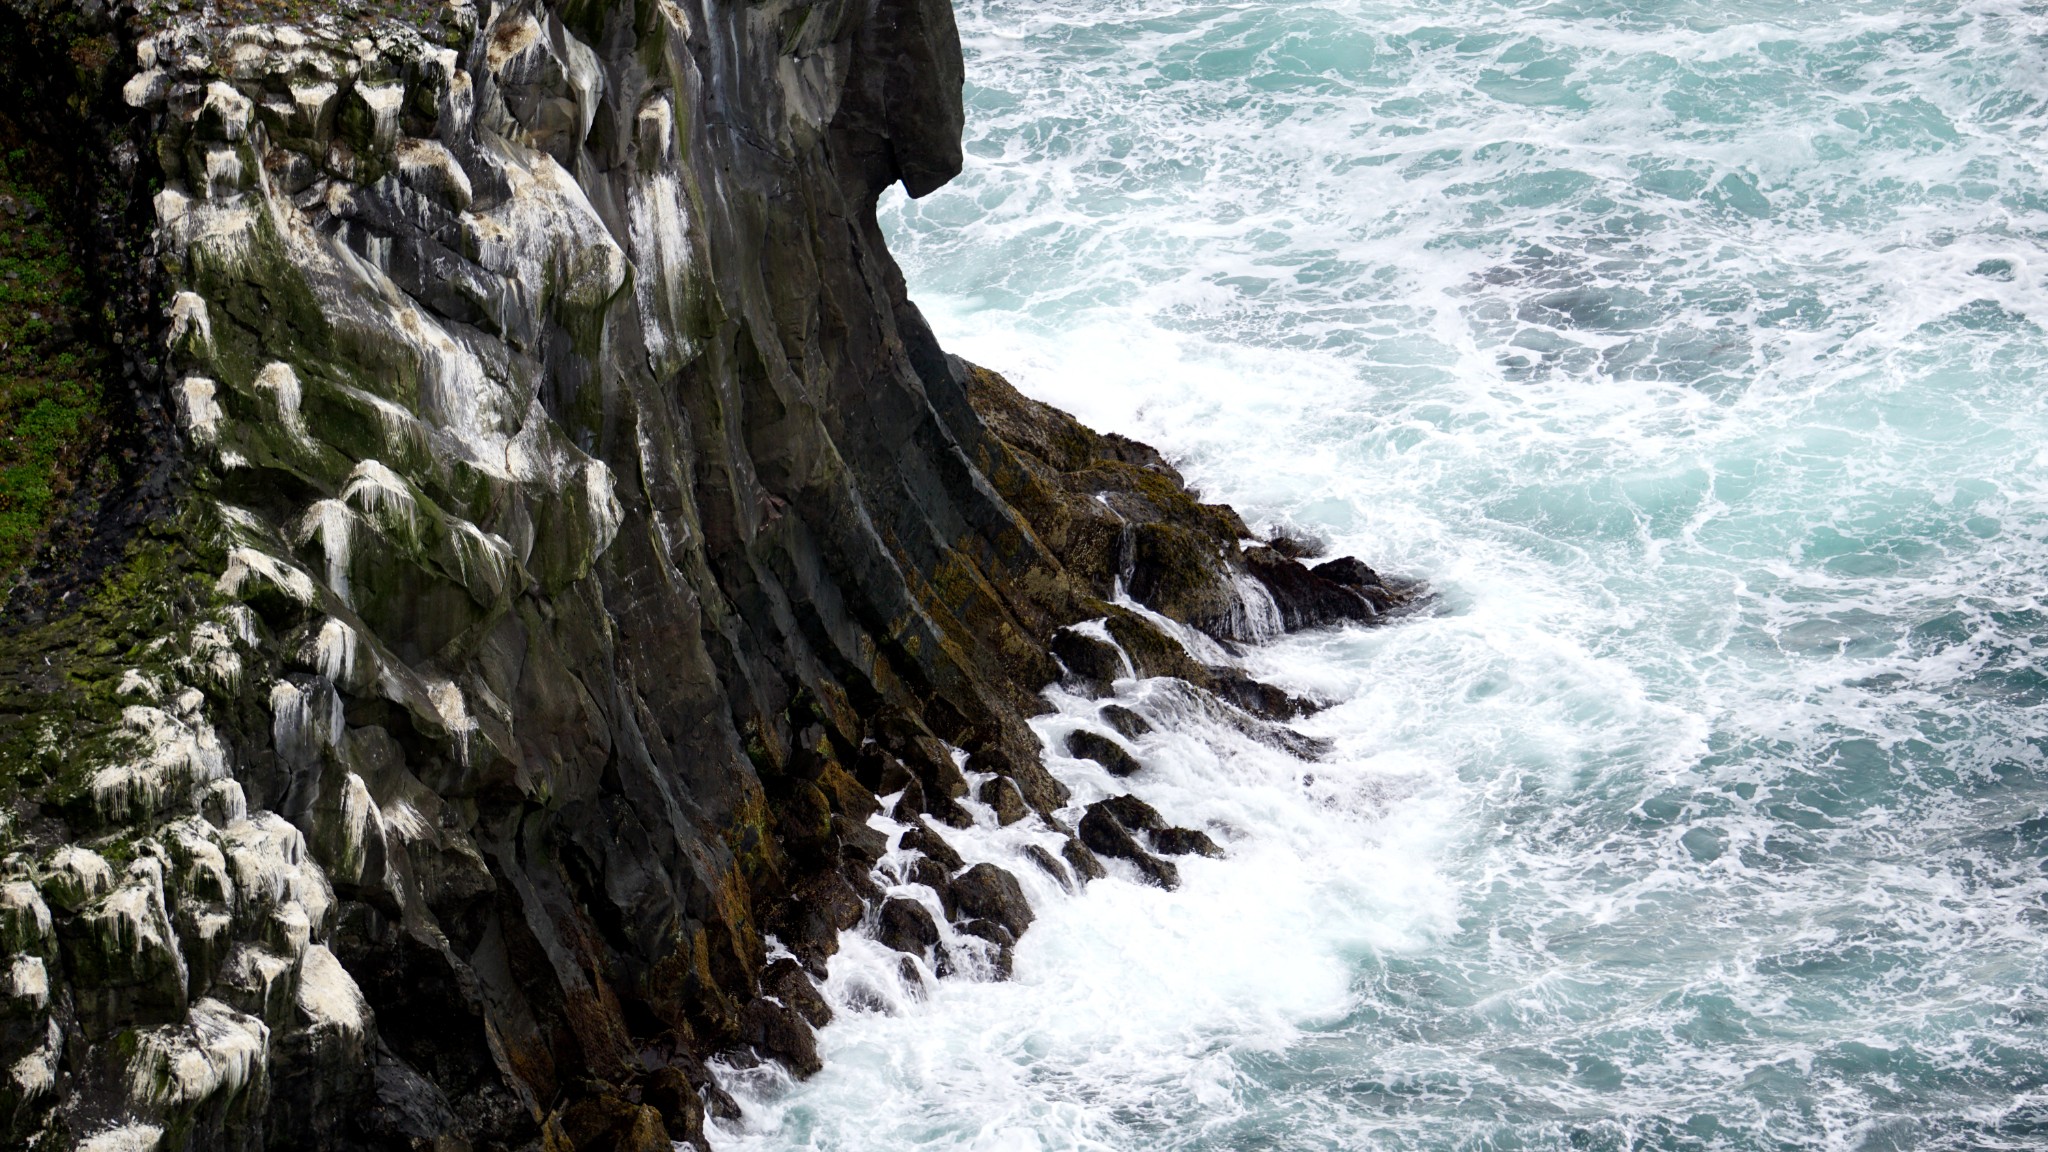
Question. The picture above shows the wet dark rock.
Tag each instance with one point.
(1297, 744)
(1297, 543)
(1082, 858)
(1351, 572)
(1153, 651)
(858, 842)
(885, 774)
(906, 926)
(850, 799)
(922, 837)
(913, 979)
(1138, 817)
(1000, 793)
(786, 980)
(932, 763)
(610, 1124)
(804, 821)
(947, 810)
(1050, 865)
(934, 876)
(1127, 723)
(776, 1031)
(820, 908)
(933, 789)
(1038, 787)
(1336, 592)
(669, 1092)
(986, 892)
(717, 1101)
(988, 930)
(1258, 698)
(1000, 955)
(1114, 757)
(861, 878)
(1132, 813)
(910, 805)
(1184, 842)
(1103, 832)
(1094, 663)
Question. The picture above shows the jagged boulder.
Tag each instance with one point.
(987, 892)
(906, 926)
(1093, 661)
(1050, 865)
(1000, 793)
(1102, 833)
(776, 1030)
(1114, 757)
(786, 981)
(1082, 859)
(1127, 723)
(922, 837)
(606, 1123)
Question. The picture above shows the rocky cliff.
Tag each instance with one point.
(539, 533)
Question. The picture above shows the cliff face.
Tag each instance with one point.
(560, 529)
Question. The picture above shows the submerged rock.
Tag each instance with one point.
(934, 876)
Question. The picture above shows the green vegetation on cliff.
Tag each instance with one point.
(49, 387)
(60, 681)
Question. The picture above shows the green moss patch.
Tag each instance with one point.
(50, 411)
(60, 707)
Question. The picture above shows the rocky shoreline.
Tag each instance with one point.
(547, 533)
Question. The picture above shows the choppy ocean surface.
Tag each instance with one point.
(1694, 353)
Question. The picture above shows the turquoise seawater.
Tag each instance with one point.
(1693, 353)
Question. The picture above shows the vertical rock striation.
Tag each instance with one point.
(574, 529)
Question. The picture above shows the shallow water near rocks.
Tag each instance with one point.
(1693, 353)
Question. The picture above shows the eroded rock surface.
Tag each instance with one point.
(552, 529)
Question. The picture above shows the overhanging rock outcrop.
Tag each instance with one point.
(577, 528)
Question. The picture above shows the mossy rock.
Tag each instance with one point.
(1180, 573)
